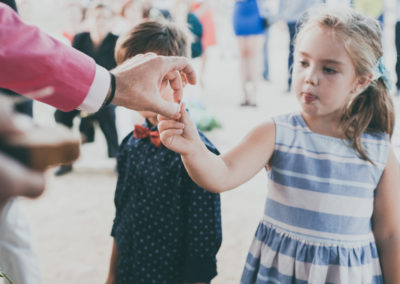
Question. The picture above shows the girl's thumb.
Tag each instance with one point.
(185, 118)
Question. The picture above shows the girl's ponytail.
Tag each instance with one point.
(370, 111)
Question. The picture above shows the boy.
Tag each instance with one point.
(166, 228)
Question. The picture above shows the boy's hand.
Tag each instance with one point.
(179, 136)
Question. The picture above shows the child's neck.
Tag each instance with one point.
(325, 125)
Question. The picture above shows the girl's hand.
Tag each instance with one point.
(180, 135)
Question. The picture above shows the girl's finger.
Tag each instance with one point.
(170, 124)
(167, 136)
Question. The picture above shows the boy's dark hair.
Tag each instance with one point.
(160, 37)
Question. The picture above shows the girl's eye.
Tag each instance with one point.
(329, 70)
(303, 63)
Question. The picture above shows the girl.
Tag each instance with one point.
(332, 213)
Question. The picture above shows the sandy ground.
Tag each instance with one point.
(71, 222)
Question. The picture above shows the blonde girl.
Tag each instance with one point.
(332, 214)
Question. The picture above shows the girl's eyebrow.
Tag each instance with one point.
(328, 60)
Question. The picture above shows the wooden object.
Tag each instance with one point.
(42, 147)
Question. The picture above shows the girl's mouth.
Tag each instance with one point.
(309, 98)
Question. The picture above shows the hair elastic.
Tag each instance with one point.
(380, 71)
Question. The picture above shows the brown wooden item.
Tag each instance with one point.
(42, 147)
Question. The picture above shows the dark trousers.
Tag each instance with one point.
(397, 40)
(292, 33)
(106, 120)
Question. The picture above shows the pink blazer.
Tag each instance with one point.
(31, 60)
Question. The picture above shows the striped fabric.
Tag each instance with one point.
(317, 221)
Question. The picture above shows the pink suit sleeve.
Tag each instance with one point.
(31, 60)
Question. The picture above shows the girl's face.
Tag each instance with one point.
(323, 73)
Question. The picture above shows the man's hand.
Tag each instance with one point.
(139, 79)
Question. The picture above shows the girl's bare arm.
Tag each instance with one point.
(219, 173)
(386, 220)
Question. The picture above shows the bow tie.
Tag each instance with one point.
(143, 132)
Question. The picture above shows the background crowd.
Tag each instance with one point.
(250, 39)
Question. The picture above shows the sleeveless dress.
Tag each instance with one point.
(316, 226)
(247, 19)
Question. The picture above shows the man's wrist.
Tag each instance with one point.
(111, 92)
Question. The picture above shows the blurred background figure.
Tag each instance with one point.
(290, 12)
(202, 10)
(98, 43)
(18, 258)
(130, 13)
(266, 7)
(74, 15)
(248, 27)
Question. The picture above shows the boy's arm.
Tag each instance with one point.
(386, 220)
(111, 279)
(218, 173)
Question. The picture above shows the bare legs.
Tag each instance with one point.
(250, 67)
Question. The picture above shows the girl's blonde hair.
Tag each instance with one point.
(371, 110)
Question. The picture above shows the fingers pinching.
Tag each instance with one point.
(175, 81)
(164, 125)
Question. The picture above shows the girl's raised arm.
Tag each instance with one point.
(218, 173)
(386, 220)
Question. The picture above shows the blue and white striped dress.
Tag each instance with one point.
(316, 226)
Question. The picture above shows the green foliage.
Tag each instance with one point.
(3, 275)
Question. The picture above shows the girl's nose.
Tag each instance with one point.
(311, 77)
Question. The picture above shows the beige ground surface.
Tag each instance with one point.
(71, 222)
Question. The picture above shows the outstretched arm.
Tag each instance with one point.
(212, 172)
(386, 220)
(31, 60)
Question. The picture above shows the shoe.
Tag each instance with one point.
(63, 170)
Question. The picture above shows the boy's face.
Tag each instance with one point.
(166, 94)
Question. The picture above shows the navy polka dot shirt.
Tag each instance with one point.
(167, 229)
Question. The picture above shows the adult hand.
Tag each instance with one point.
(139, 79)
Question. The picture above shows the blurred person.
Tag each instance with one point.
(266, 14)
(98, 43)
(180, 13)
(17, 257)
(131, 13)
(290, 12)
(202, 10)
(166, 228)
(74, 14)
(249, 26)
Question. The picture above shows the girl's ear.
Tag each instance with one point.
(363, 82)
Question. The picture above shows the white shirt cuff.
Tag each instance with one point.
(98, 90)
